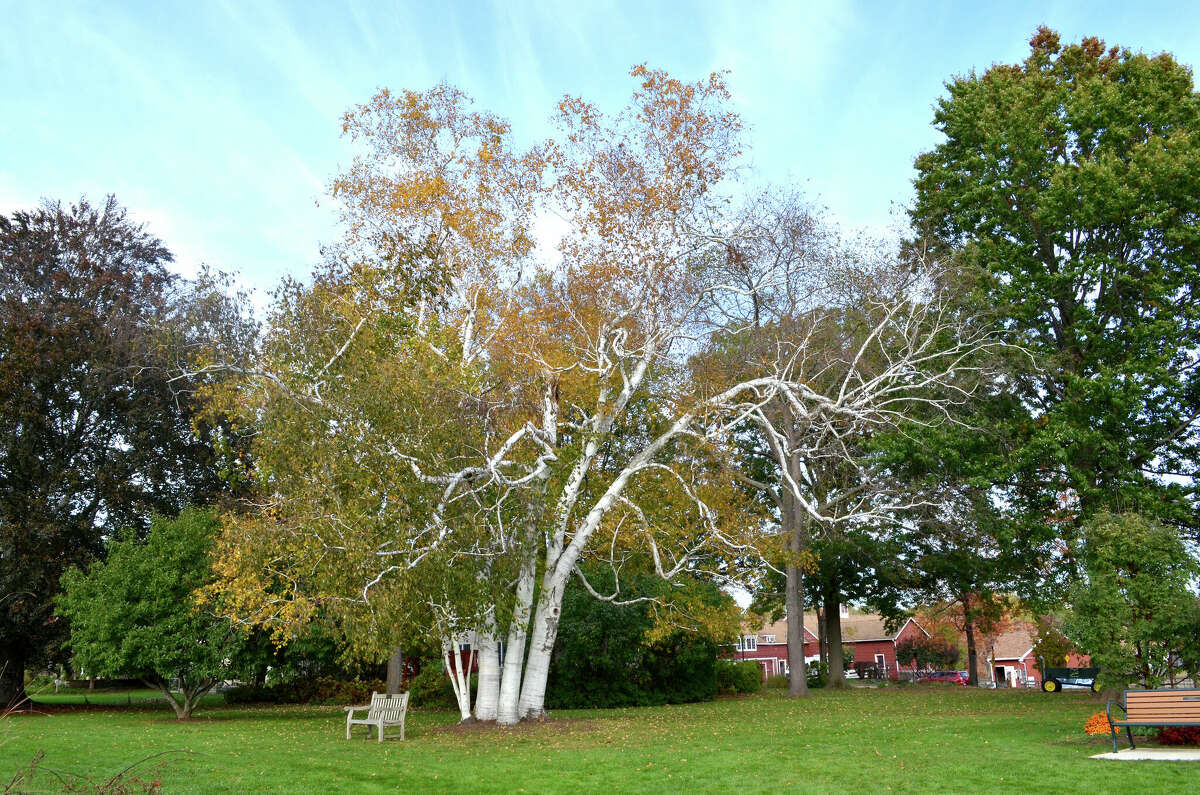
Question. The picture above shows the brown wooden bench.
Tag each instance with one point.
(1163, 707)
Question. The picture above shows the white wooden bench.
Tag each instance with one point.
(384, 710)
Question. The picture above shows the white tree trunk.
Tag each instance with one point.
(508, 710)
(541, 643)
(487, 698)
(460, 680)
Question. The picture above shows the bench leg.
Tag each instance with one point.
(1129, 733)
(1113, 729)
(347, 727)
(379, 731)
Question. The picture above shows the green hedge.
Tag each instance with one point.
(734, 678)
(602, 658)
(818, 674)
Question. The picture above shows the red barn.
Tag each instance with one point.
(767, 644)
(864, 632)
(1008, 659)
(873, 644)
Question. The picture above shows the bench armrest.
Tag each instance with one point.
(1108, 709)
(352, 709)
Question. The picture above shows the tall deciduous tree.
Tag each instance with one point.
(518, 412)
(93, 436)
(833, 315)
(1071, 184)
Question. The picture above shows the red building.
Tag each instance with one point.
(1008, 659)
(873, 644)
(767, 644)
(864, 632)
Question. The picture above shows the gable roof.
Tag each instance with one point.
(856, 627)
(1013, 644)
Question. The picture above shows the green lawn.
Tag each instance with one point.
(915, 739)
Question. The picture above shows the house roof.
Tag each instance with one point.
(777, 628)
(855, 627)
(864, 626)
(1013, 644)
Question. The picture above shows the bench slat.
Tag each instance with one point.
(1157, 701)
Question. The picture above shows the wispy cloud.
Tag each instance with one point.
(219, 122)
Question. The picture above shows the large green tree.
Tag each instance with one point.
(135, 613)
(1134, 611)
(1068, 187)
(94, 434)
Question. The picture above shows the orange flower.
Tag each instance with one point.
(1098, 724)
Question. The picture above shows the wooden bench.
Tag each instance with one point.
(384, 710)
(1164, 707)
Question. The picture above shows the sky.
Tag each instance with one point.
(217, 124)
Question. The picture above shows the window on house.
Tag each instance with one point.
(751, 642)
(768, 638)
(464, 647)
(739, 644)
(500, 651)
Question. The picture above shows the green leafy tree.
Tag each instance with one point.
(1051, 644)
(1068, 187)
(959, 555)
(647, 652)
(1134, 612)
(94, 433)
(851, 564)
(135, 613)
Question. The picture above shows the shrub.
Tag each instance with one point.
(431, 687)
(683, 669)
(818, 674)
(611, 655)
(738, 677)
(39, 682)
(776, 682)
(932, 652)
(1179, 735)
(321, 690)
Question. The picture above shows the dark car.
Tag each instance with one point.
(953, 677)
